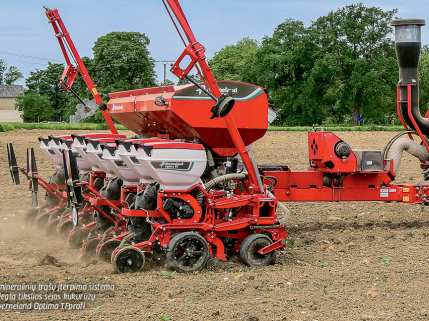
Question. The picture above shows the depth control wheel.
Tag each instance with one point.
(106, 250)
(129, 259)
(250, 247)
(187, 252)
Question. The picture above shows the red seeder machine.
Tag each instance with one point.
(186, 189)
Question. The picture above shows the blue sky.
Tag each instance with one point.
(24, 31)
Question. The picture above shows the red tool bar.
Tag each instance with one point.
(68, 48)
(198, 50)
(361, 186)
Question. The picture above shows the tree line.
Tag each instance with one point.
(8, 76)
(340, 69)
(121, 61)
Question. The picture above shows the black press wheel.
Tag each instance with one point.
(106, 250)
(129, 260)
(250, 247)
(187, 252)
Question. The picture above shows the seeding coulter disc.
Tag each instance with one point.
(31, 215)
(42, 220)
(106, 250)
(187, 252)
(129, 259)
(65, 229)
(250, 247)
(51, 228)
(74, 216)
(78, 238)
(88, 109)
(91, 247)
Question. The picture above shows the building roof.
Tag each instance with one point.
(10, 91)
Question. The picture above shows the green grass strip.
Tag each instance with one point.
(6, 127)
(366, 128)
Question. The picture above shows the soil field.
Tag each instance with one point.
(345, 261)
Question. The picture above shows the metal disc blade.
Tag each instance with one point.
(32, 170)
(13, 167)
(74, 216)
(88, 110)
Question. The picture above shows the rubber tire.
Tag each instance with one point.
(106, 250)
(172, 248)
(129, 260)
(250, 247)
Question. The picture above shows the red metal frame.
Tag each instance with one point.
(70, 72)
(422, 137)
(196, 52)
(53, 189)
(398, 105)
(353, 185)
(424, 164)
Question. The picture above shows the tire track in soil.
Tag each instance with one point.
(317, 226)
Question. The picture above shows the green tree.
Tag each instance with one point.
(282, 66)
(358, 60)
(342, 65)
(195, 77)
(424, 80)
(3, 69)
(12, 75)
(46, 83)
(122, 62)
(34, 107)
(230, 62)
(8, 76)
(167, 82)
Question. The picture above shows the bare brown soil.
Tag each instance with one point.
(332, 270)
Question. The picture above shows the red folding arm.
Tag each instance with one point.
(70, 72)
(195, 51)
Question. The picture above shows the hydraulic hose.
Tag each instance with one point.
(217, 180)
(286, 213)
(224, 178)
(405, 144)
